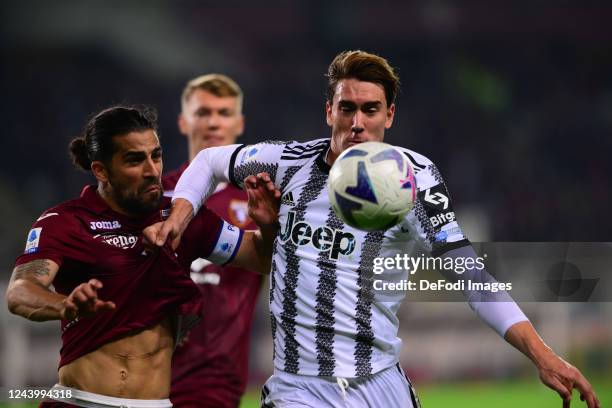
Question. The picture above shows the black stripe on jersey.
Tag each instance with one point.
(313, 187)
(289, 173)
(303, 156)
(439, 250)
(272, 287)
(370, 249)
(302, 148)
(325, 295)
(264, 394)
(415, 164)
(413, 395)
(251, 168)
(231, 166)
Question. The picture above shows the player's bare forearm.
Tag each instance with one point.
(28, 294)
(554, 372)
(172, 229)
(182, 213)
(524, 338)
(255, 252)
(33, 301)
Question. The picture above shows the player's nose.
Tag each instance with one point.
(213, 120)
(151, 168)
(357, 125)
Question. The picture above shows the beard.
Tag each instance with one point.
(134, 202)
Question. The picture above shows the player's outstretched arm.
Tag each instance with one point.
(255, 251)
(29, 294)
(553, 370)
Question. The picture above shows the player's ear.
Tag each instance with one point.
(99, 171)
(390, 115)
(328, 113)
(182, 124)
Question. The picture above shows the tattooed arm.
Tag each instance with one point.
(29, 294)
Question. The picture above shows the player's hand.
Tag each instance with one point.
(172, 229)
(264, 199)
(563, 377)
(84, 302)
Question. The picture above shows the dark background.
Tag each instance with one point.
(512, 100)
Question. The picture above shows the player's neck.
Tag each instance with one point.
(330, 157)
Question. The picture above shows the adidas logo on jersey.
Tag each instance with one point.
(288, 199)
(336, 241)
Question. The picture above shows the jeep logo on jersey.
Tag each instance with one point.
(443, 218)
(107, 225)
(119, 241)
(336, 241)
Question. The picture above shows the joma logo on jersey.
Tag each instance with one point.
(336, 241)
(107, 225)
(442, 218)
(119, 241)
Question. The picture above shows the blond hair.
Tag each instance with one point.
(217, 84)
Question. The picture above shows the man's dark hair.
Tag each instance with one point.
(362, 66)
(96, 142)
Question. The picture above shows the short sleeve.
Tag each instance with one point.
(47, 238)
(208, 236)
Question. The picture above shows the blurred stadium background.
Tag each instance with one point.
(512, 100)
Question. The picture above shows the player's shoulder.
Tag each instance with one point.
(425, 171)
(61, 217)
(282, 153)
(296, 150)
(419, 161)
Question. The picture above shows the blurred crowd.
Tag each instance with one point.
(512, 102)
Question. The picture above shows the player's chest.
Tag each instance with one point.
(115, 247)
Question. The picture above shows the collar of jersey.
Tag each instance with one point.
(92, 200)
(321, 163)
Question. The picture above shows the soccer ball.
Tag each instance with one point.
(371, 186)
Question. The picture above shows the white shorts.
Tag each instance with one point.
(389, 388)
(90, 400)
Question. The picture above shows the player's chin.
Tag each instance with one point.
(151, 198)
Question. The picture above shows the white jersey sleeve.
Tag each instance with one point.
(433, 218)
(201, 177)
(234, 163)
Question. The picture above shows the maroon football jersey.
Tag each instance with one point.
(87, 239)
(210, 367)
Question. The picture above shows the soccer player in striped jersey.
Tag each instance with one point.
(335, 339)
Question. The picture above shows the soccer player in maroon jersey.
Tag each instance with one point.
(122, 307)
(210, 367)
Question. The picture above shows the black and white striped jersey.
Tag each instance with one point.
(325, 319)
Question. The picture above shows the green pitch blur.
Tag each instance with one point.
(524, 394)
